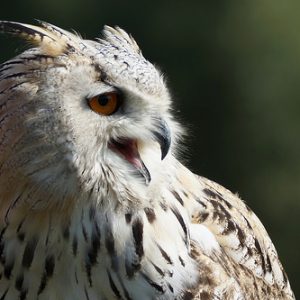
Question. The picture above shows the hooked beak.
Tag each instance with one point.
(129, 150)
(163, 137)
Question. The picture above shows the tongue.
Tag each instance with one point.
(128, 150)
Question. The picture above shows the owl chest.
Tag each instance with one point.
(99, 256)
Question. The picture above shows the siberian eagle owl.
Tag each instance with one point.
(93, 201)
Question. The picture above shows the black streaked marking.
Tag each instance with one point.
(48, 272)
(74, 245)
(285, 278)
(230, 227)
(21, 236)
(229, 205)
(181, 261)
(248, 224)
(248, 208)
(86, 294)
(216, 195)
(29, 252)
(268, 264)
(113, 286)
(150, 214)
(137, 231)
(249, 251)
(23, 294)
(48, 233)
(263, 263)
(110, 242)
(2, 255)
(241, 234)
(158, 270)
(170, 288)
(181, 222)
(20, 225)
(210, 193)
(165, 255)
(185, 194)
(4, 294)
(76, 277)
(50, 265)
(215, 204)
(201, 202)
(163, 206)
(88, 268)
(158, 287)
(84, 233)
(12, 205)
(7, 269)
(92, 253)
(92, 213)
(42, 284)
(128, 218)
(2, 232)
(132, 264)
(178, 198)
(203, 216)
(220, 211)
(15, 75)
(95, 247)
(257, 246)
(66, 232)
(126, 294)
(11, 62)
(19, 282)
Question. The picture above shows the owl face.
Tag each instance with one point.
(96, 110)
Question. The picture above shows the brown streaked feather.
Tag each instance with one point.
(248, 254)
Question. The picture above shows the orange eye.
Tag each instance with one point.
(105, 104)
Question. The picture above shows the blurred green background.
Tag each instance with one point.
(234, 69)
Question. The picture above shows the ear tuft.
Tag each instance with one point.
(48, 40)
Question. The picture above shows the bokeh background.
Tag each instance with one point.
(234, 71)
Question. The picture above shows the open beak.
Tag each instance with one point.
(128, 149)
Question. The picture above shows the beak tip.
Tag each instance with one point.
(163, 137)
(164, 152)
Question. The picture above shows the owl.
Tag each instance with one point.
(94, 203)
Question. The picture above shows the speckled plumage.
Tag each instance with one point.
(78, 220)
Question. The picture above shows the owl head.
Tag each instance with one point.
(81, 116)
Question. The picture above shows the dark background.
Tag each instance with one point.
(234, 69)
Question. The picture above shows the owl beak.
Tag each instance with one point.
(128, 149)
(163, 137)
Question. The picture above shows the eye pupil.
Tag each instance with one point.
(103, 100)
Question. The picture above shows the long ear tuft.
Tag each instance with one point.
(50, 40)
